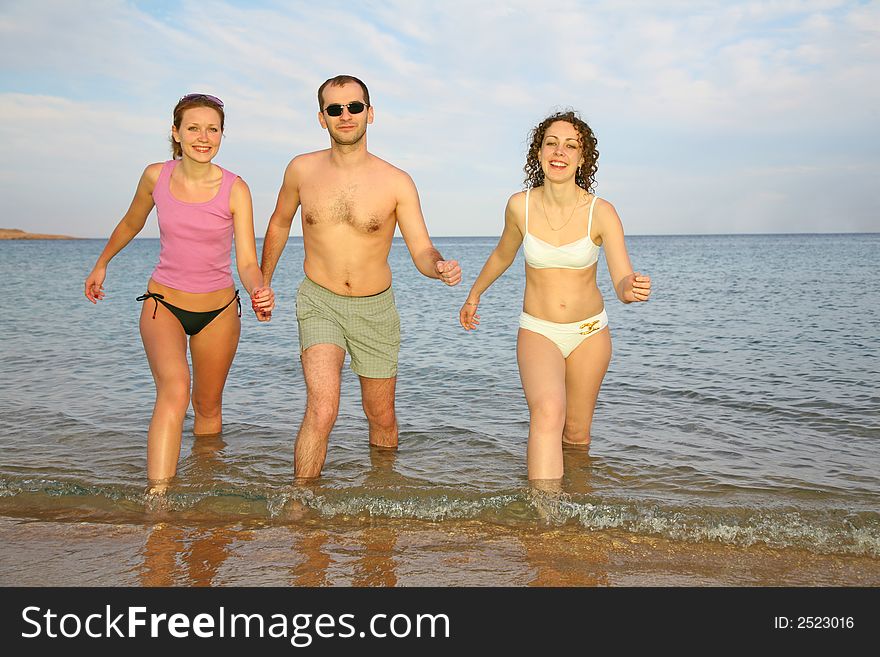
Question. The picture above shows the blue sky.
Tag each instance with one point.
(712, 117)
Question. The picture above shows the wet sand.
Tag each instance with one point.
(359, 552)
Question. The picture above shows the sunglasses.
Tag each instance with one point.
(208, 97)
(355, 107)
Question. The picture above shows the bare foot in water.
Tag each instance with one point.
(295, 510)
(545, 496)
(298, 506)
(156, 502)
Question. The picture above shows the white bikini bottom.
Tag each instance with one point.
(566, 336)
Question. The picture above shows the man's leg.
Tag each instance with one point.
(378, 401)
(322, 369)
(373, 338)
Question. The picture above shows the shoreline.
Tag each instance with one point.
(18, 234)
(324, 552)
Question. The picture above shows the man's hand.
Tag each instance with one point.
(449, 271)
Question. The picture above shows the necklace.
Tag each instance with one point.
(547, 216)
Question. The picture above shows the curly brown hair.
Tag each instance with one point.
(586, 174)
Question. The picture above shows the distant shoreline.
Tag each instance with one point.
(16, 234)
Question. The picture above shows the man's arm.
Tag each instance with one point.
(425, 257)
(278, 229)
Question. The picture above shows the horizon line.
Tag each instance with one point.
(495, 236)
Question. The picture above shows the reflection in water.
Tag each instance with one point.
(205, 462)
(160, 552)
(565, 555)
(373, 561)
(180, 556)
(175, 555)
(381, 466)
(375, 566)
(577, 470)
(560, 559)
(316, 564)
(184, 550)
(208, 550)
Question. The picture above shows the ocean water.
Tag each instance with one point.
(741, 408)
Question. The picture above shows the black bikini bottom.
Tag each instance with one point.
(191, 321)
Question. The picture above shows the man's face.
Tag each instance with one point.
(348, 128)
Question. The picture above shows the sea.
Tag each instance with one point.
(736, 439)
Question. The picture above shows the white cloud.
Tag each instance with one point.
(456, 86)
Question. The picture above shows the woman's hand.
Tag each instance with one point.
(95, 284)
(468, 315)
(636, 287)
(263, 303)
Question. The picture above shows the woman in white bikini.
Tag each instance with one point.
(563, 346)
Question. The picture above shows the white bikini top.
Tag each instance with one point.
(579, 254)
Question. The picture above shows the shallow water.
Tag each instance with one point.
(740, 409)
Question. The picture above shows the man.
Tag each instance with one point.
(351, 203)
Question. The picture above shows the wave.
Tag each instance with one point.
(825, 531)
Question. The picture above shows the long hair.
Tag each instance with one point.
(586, 174)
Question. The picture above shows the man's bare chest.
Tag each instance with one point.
(363, 205)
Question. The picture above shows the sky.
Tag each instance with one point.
(712, 117)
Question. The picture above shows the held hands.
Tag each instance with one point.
(263, 303)
(636, 287)
(95, 284)
(449, 271)
(468, 315)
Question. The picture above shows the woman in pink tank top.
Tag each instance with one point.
(191, 293)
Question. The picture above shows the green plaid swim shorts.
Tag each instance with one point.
(368, 328)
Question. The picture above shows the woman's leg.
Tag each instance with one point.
(165, 346)
(212, 350)
(542, 371)
(585, 368)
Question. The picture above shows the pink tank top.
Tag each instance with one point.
(195, 239)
